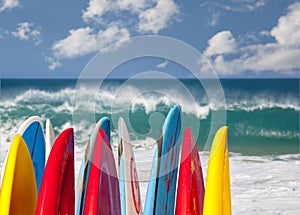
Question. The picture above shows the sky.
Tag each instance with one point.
(239, 38)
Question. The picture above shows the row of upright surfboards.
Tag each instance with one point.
(31, 187)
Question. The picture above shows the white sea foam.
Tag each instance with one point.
(113, 100)
(241, 129)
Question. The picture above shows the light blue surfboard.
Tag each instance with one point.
(160, 197)
(104, 124)
(32, 132)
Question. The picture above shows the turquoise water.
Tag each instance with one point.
(262, 114)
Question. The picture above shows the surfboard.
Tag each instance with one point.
(57, 188)
(18, 192)
(217, 199)
(128, 179)
(102, 193)
(84, 173)
(160, 197)
(33, 135)
(49, 138)
(190, 189)
(82, 181)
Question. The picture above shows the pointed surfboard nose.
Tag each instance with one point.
(18, 176)
(57, 189)
(217, 199)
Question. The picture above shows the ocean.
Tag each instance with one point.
(262, 116)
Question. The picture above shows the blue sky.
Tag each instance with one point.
(239, 38)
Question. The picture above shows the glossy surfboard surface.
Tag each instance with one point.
(102, 192)
(18, 192)
(57, 194)
(190, 189)
(84, 173)
(217, 199)
(128, 179)
(49, 138)
(160, 197)
(32, 132)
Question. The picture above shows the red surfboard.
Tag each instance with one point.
(102, 194)
(57, 189)
(190, 190)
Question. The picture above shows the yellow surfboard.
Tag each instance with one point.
(217, 199)
(18, 192)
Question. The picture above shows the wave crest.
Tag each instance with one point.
(107, 101)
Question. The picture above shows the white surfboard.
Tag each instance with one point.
(128, 179)
(49, 138)
(27, 122)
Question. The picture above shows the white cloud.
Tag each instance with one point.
(221, 43)
(131, 5)
(163, 64)
(270, 57)
(26, 31)
(214, 19)
(98, 8)
(242, 5)
(217, 8)
(147, 15)
(281, 56)
(53, 63)
(151, 15)
(85, 41)
(9, 4)
(273, 57)
(156, 18)
(287, 31)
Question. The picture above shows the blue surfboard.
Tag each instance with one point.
(32, 132)
(103, 124)
(160, 197)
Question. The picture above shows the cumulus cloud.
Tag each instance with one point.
(156, 18)
(146, 16)
(131, 5)
(281, 56)
(273, 57)
(153, 16)
(9, 4)
(85, 41)
(98, 8)
(26, 31)
(221, 43)
(287, 31)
